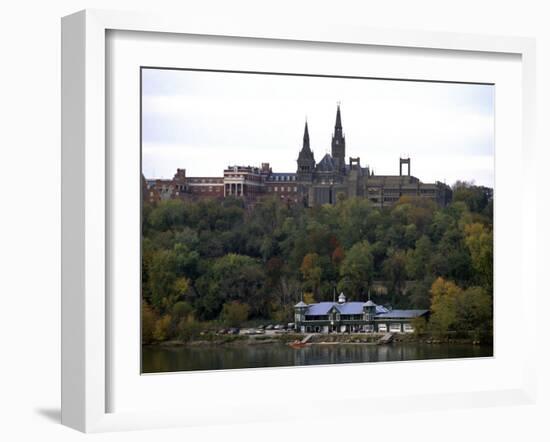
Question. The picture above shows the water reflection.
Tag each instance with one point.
(160, 359)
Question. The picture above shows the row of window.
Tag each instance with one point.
(282, 189)
(282, 178)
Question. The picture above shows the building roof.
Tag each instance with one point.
(301, 304)
(321, 308)
(356, 308)
(350, 308)
(399, 314)
(369, 303)
(326, 164)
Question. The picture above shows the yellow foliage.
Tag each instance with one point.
(161, 328)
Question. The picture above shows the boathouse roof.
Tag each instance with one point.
(347, 308)
(402, 314)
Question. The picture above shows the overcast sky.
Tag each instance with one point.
(205, 121)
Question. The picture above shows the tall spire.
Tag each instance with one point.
(306, 138)
(339, 143)
(306, 160)
(338, 118)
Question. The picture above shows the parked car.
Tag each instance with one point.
(233, 331)
(290, 325)
(222, 331)
(260, 327)
(260, 331)
(278, 327)
(269, 327)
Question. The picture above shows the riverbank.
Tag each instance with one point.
(319, 339)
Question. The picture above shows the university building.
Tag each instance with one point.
(313, 183)
(353, 317)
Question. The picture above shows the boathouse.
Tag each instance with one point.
(354, 317)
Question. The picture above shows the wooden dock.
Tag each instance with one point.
(386, 339)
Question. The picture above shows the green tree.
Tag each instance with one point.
(418, 258)
(168, 214)
(188, 328)
(356, 270)
(475, 311)
(162, 279)
(231, 278)
(234, 313)
(479, 240)
(396, 273)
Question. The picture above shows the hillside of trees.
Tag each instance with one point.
(219, 261)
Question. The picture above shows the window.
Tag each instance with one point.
(395, 328)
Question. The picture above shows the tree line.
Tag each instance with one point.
(218, 260)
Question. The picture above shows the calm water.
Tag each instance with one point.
(160, 359)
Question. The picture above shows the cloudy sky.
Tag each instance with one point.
(205, 121)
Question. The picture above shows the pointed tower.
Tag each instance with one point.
(306, 160)
(339, 143)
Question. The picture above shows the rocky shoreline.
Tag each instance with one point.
(318, 339)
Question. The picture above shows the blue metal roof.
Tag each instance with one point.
(347, 308)
(356, 308)
(321, 308)
(402, 314)
(350, 308)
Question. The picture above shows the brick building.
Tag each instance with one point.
(312, 184)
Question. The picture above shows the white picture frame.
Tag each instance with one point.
(85, 201)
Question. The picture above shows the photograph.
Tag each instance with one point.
(297, 220)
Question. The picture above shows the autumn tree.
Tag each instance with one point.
(234, 313)
(311, 272)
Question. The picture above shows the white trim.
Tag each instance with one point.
(84, 201)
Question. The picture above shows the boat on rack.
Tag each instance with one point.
(301, 344)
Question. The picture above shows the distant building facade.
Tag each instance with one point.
(353, 317)
(312, 184)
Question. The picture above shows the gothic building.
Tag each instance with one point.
(312, 184)
(320, 183)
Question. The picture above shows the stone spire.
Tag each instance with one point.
(306, 160)
(339, 143)
(338, 124)
(305, 145)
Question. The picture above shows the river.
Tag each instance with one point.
(158, 359)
